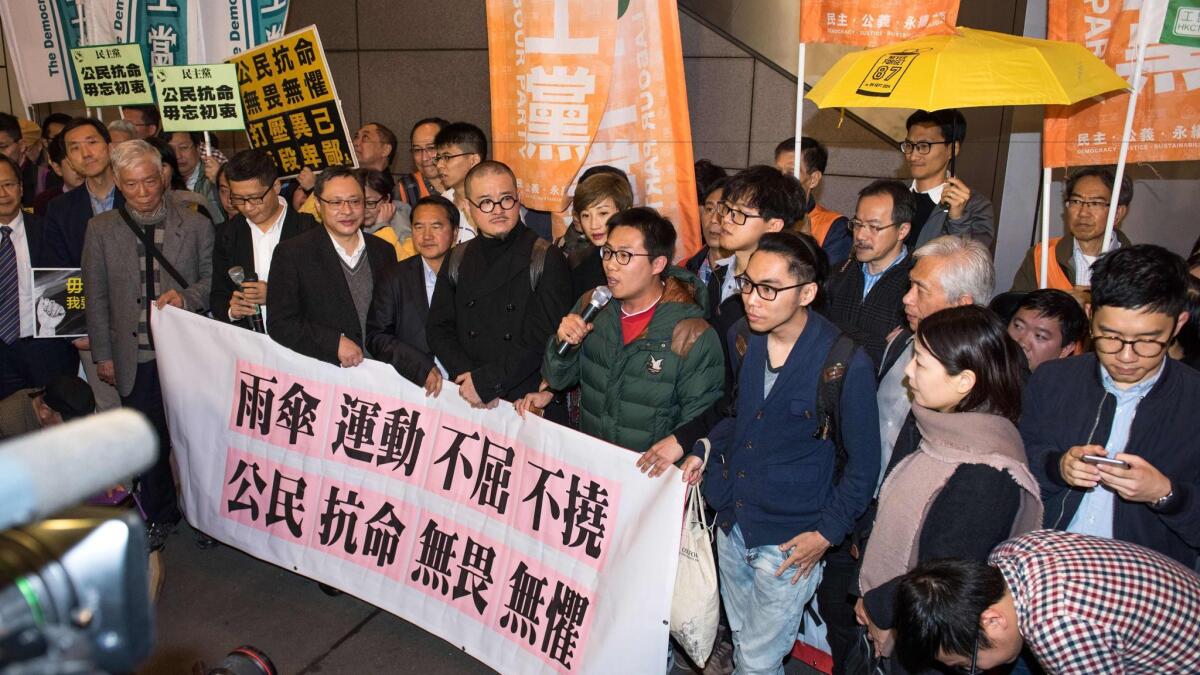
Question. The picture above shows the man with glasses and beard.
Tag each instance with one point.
(498, 297)
(1111, 436)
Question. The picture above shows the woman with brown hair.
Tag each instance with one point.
(597, 198)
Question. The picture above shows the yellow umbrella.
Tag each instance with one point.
(963, 68)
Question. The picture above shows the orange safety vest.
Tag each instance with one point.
(1058, 276)
(820, 219)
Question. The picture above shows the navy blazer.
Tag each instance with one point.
(396, 322)
(67, 217)
(767, 473)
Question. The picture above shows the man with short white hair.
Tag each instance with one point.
(160, 254)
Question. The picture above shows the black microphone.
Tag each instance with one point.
(239, 276)
(600, 298)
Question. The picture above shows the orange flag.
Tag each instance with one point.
(1166, 124)
(578, 83)
(871, 23)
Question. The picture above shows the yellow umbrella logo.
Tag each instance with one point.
(883, 77)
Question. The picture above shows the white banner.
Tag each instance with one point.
(40, 35)
(532, 547)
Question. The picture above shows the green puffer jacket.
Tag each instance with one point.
(637, 394)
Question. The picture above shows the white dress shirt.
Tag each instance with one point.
(935, 193)
(24, 274)
(430, 282)
(351, 259)
(465, 231)
(264, 243)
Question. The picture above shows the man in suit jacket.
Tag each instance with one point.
(945, 205)
(125, 282)
(322, 280)
(248, 240)
(400, 308)
(489, 321)
(25, 361)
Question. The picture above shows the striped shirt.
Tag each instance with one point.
(1087, 605)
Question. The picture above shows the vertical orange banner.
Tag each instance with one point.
(557, 111)
(1166, 125)
(872, 23)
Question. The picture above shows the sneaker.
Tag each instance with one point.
(720, 661)
(205, 542)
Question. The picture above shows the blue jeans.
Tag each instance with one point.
(764, 610)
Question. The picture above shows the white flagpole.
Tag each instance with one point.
(799, 107)
(1044, 277)
(1110, 223)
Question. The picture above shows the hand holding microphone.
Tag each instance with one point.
(240, 279)
(574, 328)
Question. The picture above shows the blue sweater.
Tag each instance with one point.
(767, 473)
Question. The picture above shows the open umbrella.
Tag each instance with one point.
(964, 68)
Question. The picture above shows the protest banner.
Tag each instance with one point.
(59, 302)
(199, 98)
(40, 36)
(530, 546)
(291, 105)
(1166, 121)
(564, 99)
(872, 23)
(111, 75)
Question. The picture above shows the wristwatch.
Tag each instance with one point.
(1163, 500)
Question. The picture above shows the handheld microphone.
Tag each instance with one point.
(600, 298)
(238, 276)
(45, 472)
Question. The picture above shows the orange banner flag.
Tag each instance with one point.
(579, 83)
(872, 23)
(1166, 123)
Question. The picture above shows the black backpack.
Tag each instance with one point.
(537, 262)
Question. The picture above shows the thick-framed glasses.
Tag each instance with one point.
(236, 199)
(438, 159)
(1147, 349)
(488, 205)
(734, 215)
(1089, 204)
(768, 293)
(337, 204)
(921, 147)
(623, 257)
(973, 669)
(855, 225)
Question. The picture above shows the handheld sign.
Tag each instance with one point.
(111, 75)
(199, 98)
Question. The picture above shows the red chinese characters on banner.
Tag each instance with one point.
(1166, 125)
(871, 23)
(577, 84)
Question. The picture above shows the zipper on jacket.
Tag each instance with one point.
(1091, 435)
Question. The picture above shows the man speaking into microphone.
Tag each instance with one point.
(647, 362)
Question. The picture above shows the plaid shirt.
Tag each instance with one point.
(1087, 605)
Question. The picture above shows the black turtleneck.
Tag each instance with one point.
(495, 247)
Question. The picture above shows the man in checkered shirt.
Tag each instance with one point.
(1082, 604)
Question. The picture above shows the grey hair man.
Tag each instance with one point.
(126, 278)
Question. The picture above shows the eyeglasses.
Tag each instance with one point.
(438, 159)
(735, 216)
(974, 667)
(855, 225)
(1107, 344)
(337, 204)
(922, 147)
(427, 150)
(374, 203)
(253, 201)
(488, 205)
(1091, 205)
(623, 257)
(768, 293)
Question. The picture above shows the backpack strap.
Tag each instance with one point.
(148, 243)
(537, 262)
(409, 191)
(829, 399)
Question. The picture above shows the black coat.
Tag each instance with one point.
(587, 271)
(396, 322)
(492, 324)
(235, 246)
(67, 217)
(309, 306)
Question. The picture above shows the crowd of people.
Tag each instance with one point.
(933, 462)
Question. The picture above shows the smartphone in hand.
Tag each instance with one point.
(1102, 460)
